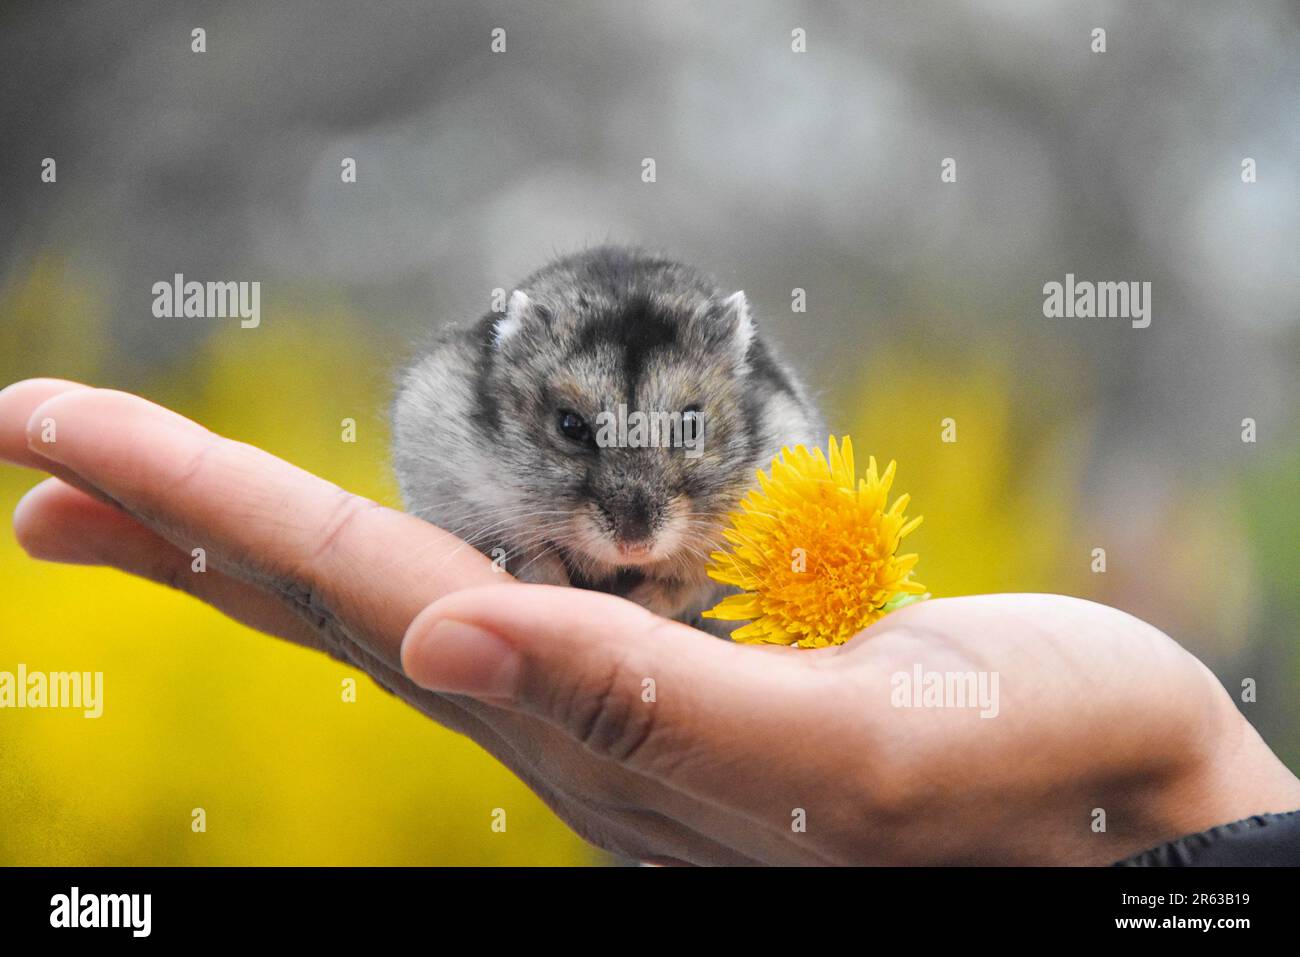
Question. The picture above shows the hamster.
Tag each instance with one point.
(513, 432)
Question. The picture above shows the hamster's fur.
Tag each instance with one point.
(493, 428)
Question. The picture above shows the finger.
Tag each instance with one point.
(55, 522)
(653, 696)
(58, 523)
(260, 518)
(17, 403)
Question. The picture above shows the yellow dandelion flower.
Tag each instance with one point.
(815, 551)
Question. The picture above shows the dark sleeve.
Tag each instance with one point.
(1266, 840)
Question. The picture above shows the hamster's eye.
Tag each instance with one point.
(573, 427)
(693, 418)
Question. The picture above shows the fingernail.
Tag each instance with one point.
(459, 658)
(42, 431)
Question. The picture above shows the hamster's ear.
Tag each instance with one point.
(521, 313)
(738, 323)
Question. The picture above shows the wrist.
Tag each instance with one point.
(1234, 776)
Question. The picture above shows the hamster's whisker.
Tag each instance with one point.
(482, 532)
(464, 542)
(479, 530)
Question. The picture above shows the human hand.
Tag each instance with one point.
(1096, 709)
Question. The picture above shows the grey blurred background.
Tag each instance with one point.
(775, 170)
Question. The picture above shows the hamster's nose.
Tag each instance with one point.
(633, 521)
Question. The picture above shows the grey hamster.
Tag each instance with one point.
(517, 432)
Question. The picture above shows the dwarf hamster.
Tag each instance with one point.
(513, 432)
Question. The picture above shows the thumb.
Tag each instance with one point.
(628, 685)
